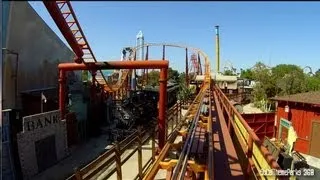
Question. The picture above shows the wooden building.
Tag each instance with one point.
(302, 112)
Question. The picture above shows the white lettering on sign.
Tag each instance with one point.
(38, 121)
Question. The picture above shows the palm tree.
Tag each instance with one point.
(184, 93)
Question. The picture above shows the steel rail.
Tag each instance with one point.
(152, 171)
(187, 144)
(185, 161)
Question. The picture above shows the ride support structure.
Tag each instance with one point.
(154, 64)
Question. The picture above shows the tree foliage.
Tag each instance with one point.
(173, 74)
(153, 78)
(184, 92)
(282, 79)
(246, 73)
(182, 78)
(228, 72)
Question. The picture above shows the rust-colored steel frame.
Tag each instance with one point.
(59, 19)
(154, 64)
(206, 62)
(63, 15)
(151, 173)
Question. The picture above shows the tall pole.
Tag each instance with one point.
(217, 49)
(162, 107)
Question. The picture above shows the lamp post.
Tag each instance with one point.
(15, 76)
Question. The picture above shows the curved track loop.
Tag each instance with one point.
(125, 73)
(66, 20)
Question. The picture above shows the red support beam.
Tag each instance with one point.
(154, 64)
(58, 18)
(162, 107)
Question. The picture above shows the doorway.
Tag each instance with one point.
(46, 152)
(314, 142)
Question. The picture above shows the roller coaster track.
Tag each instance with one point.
(192, 117)
(181, 166)
(125, 73)
(66, 20)
(257, 155)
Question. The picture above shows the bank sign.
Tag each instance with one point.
(42, 120)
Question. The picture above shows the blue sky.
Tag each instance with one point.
(282, 32)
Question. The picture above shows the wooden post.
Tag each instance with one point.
(140, 155)
(77, 173)
(118, 160)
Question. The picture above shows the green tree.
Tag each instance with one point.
(317, 73)
(173, 74)
(313, 82)
(228, 72)
(184, 93)
(289, 78)
(153, 78)
(262, 74)
(247, 73)
(182, 78)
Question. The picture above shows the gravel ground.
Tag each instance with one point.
(249, 109)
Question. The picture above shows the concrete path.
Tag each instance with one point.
(80, 156)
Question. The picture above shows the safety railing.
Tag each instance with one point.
(115, 155)
(259, 158)
(173, 118)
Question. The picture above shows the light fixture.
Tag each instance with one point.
(286, 109)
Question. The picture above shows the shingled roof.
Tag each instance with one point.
(312, 97)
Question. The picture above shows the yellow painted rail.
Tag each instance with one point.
(259, 158)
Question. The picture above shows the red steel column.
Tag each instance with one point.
(62, 90)
(162, 107)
